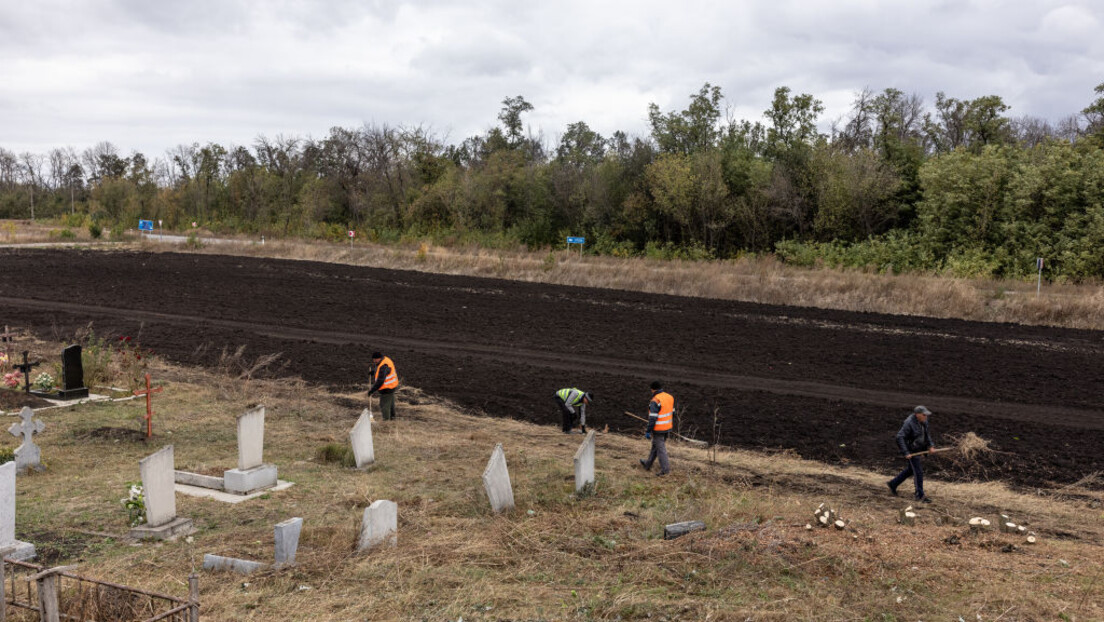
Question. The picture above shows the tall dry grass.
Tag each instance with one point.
(556, 556)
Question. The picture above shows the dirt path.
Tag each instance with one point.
(831, 385)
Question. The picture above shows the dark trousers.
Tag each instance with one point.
(568, 416)
(914, 469)
(659, 450)
(387, 405)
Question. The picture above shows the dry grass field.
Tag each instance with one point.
(557, 556)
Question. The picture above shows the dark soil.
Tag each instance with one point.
(15, 400)
(830, 385)
(107, 433)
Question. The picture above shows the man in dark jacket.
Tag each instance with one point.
(914, 438)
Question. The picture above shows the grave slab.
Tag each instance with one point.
(229, 497)
(496, 481)
(379, 525)
(287, 540)
(247, 481)
(195, 479)
(364, 452)
(233, 564)
(72, 374)
(251, 438)
(157, 486)
(584, 463)
(9, 546)
(171, 530)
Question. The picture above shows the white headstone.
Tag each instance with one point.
(251, 438)
(7, 504)
(496, 481)
(158, 487)
(380, 524)
(9, 546)
(233, 564)
(584, 463)
(361, 437)
(287, 540)
(28, 454)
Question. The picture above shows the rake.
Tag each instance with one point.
(693, 441)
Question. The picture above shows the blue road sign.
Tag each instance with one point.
(145, 225)
(571, 240)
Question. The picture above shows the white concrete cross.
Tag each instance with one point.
(28, 454)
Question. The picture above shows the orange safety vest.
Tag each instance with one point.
(392, 380)
(666, 419)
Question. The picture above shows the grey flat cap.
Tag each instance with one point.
(921, 410)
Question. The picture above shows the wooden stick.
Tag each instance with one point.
(688, 440)
(934, 451)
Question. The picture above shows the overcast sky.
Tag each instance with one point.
(147, 75)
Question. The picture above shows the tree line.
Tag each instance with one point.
(959, 186)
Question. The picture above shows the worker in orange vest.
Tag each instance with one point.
(661, 418)
(386, 380)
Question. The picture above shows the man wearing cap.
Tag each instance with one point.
(569, 400)
(914, 438)
(386, 380)
(661, 418)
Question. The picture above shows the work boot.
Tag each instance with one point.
(924, 499)
(583, 429)
(663, 473)
(644, 463)
(892, 488)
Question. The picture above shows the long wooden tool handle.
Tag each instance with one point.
(934, 451)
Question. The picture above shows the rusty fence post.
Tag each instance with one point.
(3, 579)
(193, 597)
(48, 598)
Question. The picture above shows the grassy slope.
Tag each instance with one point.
(557, 557)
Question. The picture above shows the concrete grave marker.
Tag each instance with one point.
(252, 473)
(158, 488)
(287, 540)
(584, 463)
(379, 525)
(361, 437)
(27, 455)
(496, 481)
(9, 546)
(286, 544)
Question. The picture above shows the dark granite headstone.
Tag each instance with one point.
(72, 374)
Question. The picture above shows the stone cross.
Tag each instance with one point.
(26, 368)
(496, 481)
(28, 454)
(7, 336)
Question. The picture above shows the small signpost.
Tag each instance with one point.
(352, 234)
(160, 230)
(145, 225)
(576, 240)
(148, 392)
(1039, 283)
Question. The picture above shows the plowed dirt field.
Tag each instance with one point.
(829, 385)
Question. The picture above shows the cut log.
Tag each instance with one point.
(839, 524)
(808, 527)
(1031, 538)
(907, 516)
(1008, 527)
(978, 523)
(677, 530)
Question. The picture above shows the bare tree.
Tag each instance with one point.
(32, 174)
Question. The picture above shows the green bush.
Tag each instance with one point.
(95, 230)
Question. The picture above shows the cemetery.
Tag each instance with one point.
(464, 516)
